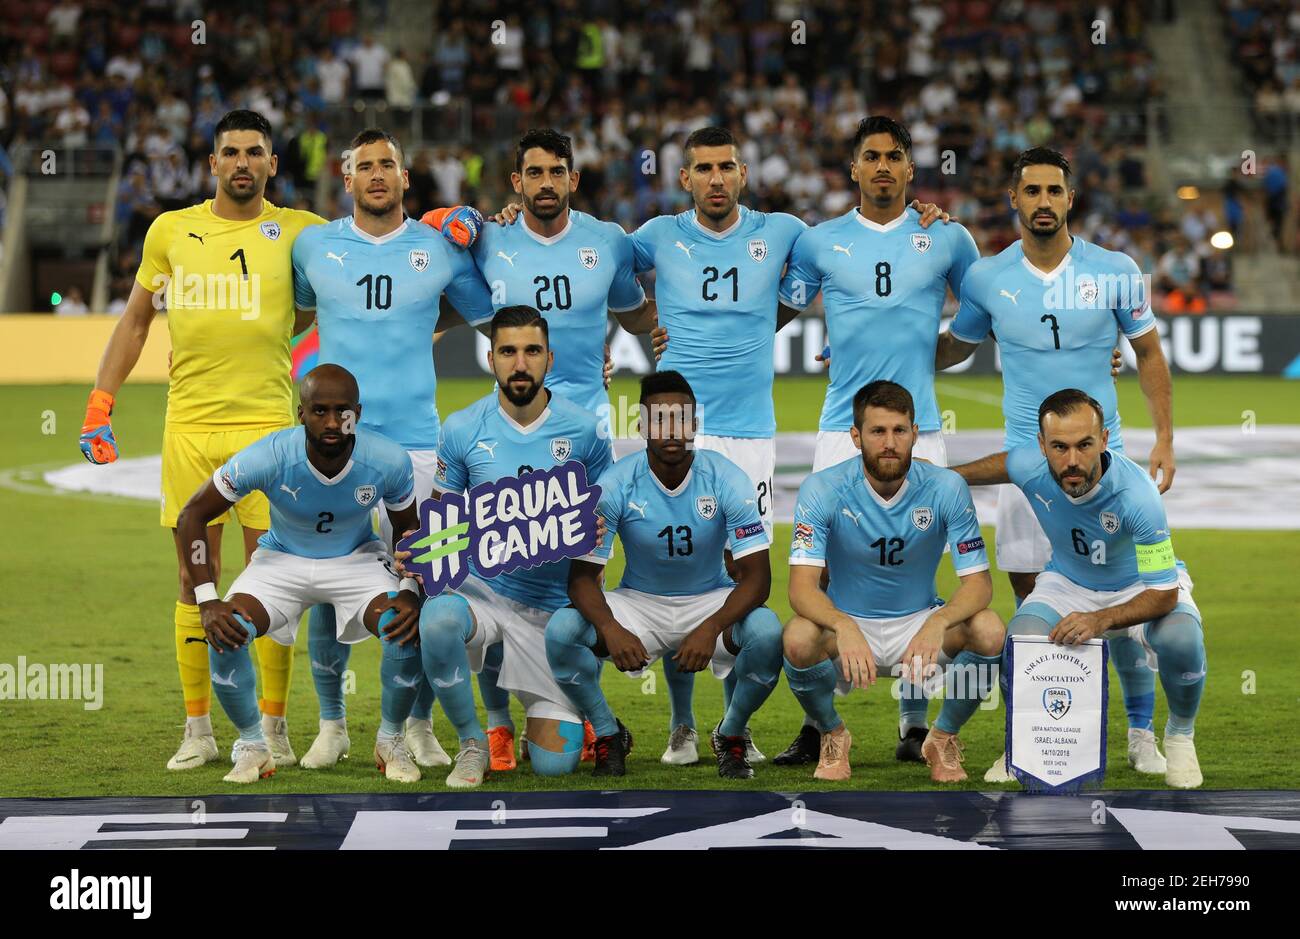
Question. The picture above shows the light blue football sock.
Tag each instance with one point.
(400, 672)
(1136, 680)
(569, 651)
(968, 681)
(445, 626)
(1179, 643)
(235, 683)
(681, 695)
(422, 708)
(496, 701)
(548, 762)
(729, 688)
(913, 706)
(329, 660)
(814, 688)
(757, 668)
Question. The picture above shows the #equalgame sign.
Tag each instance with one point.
(516, 522)
(1056, 713)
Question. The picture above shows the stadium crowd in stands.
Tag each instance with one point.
(974, 81)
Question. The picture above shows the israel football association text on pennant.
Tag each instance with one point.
(516, 522)
(1056, 713)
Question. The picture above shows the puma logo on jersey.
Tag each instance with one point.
(226, 681)
(1047, 503)
(292, 492)
(640, 508)
(1011, 296)
(851, 515)
(336, 257)
(685, 248)
(835, 248)
(456, 679)
(508, 257)
(199, 237)
(489, 447)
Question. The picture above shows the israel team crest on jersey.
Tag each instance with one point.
(922, 516)
(270, 230)
(419, 259)
(365, 494)
(561, 447)
(1088, 290)
(757, 249)
(1109, 522)
(588, 257)
(921, 242)
(707, 506)
(1056, 702)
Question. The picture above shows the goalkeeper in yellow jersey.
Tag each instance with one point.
(223, 272)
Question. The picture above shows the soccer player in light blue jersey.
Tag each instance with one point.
(374, 281)
(676, 510)
(883, 279)
(519, 427)
(322, 480)
(879, 523)
(571, 267)
(1113, 573)
(1056, 305)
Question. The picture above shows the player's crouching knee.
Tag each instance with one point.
(445, 618)
(987, 635)
(1177, 636)
(801, 643)
(566, 627)
(762, 630)
(552, 763)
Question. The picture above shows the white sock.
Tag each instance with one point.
(341, 723)
(199, 726)
(383, 737)
(272, 724)
(414, 723)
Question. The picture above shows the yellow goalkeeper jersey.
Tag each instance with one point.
(228, 291)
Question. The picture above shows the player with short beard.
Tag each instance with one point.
(879, 525)
(521, 426)
(378, 285)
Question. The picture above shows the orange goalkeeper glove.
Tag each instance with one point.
(97, 443)
(459, 224)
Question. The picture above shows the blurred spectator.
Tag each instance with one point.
(72, 304)
(369, 62)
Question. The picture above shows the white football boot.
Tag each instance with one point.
(1143, 754)
(472, 763)
(999, 772)
(195, 750)
(752, 753)
(252, 762)
(392, 757)
(1184, 771)
(424, 746)
(276, 732)
(683, 749)
(331, 745)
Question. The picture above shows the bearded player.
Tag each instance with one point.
(222, 270)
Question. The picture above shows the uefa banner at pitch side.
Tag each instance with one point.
(1056, 713)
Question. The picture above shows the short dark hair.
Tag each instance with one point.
(514, 317)
(879, 124)
(1067, 401)
(548, 139)
(242, 119)
(375, 135)
(666, 382)
(883, 394)
(1037, 156)
(711, 136)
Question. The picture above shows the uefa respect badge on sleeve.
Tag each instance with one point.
(1056, 713)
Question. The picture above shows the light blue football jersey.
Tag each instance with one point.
(575, 279)
(883, 288)
(1054, 330)
(1110, 538)
(482, 444)
(376, 303)
(674, 539)
(312, 516)
(717, 296)
(883, 556)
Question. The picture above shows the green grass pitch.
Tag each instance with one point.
(92, 579)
